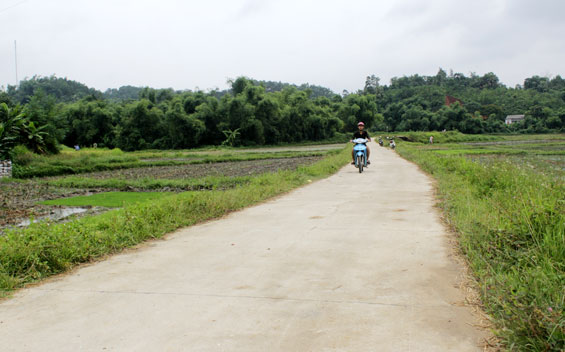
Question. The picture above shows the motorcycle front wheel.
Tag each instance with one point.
(360, 163)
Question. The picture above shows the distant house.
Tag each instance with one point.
(510, 119)
(450, 100)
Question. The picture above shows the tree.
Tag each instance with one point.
(211, 113)
(184, 131)
(540, 84)
(488, 81)
(371, 84)
(141, 126)
(124, 93)
(90, 122)
(356, 108)
(440, 78)
(238, 86)
(43, 110)
(492, 110)
(414, 119)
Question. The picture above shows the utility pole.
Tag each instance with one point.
(16, 56)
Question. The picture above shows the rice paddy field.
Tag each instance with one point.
(42, 186)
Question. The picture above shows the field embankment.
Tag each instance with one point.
(506, 201)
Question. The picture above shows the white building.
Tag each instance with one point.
(513, 118)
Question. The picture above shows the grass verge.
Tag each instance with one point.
(108, 199)
(44, 249)
(511, 226)
(188, 184)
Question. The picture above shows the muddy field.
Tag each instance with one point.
(18, 200)
(239, 168)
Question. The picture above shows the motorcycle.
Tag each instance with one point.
(381, 143)
(392, 144)
(360, 152)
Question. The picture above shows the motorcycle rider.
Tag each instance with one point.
(361, 133)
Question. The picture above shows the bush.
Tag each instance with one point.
(22, 156)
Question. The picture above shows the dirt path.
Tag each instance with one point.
(350, 263)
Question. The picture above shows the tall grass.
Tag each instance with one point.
(511, 226)
(187, 184)
(44, 249)
(444, 137)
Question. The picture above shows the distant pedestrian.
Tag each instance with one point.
(431, 139)
(77, 148)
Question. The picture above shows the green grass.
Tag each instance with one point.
(108, 199)
(443, 137)
(44, 249)
(511, 225)
(187, 184)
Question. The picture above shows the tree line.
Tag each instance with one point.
(50, 111)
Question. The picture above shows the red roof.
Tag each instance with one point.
(450, 100)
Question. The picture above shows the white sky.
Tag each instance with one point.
(332, 43)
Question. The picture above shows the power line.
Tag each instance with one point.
(9, 7)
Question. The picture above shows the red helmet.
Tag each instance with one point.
(360, 124)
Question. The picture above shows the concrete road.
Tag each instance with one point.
(355, 262)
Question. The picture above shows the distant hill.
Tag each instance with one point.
(63, 89)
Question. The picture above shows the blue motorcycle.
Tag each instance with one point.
(360, 152)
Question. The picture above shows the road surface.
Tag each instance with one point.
(354, 262)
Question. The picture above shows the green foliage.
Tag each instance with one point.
(108, 199)
(511, 221)
(231, 137)
(90, 122)
(12, 123)
(44, 249)
(147, 184)
(16, 127)
(124, 93)
(266, 112)
(486, 103)
(43, 110)
(22, 156)
(445, 137)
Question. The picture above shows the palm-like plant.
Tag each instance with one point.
(12, 122)
(15, 128)
(231, 137)
(35, 137)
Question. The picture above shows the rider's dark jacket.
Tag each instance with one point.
(361, 134)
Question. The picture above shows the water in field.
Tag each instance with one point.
(55, 215)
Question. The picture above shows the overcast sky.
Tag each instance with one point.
(332, 43)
